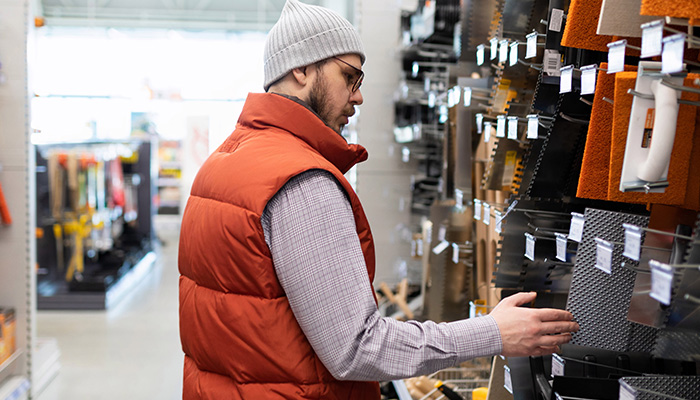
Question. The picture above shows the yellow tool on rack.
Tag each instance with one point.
(79, 229)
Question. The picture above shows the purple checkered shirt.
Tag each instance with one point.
(310, 229)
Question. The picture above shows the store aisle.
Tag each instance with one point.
(130, 352)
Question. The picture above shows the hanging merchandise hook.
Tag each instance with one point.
(574, 120)
(680, 101)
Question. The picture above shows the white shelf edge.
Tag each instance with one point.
(14, 388)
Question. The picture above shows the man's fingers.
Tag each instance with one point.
(550, 328)
(552, 314)
(519, 299)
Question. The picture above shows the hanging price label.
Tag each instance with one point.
(556, 20)
(507, 380)
(487, 131)
(501, 126)
(576, 228)
(498, 218)
(477, 209)
(633, 241)
(652, 38)
(616, 56)
(459, 198)
(588, 79)
(480, 52)
(661, 282)
(455, 253)
(467, 97)
(626, 391)
(533, 126)
(513, 54)
(561, 246)
(419, 247)
(479, 123)
(513, 128)
(503, 51)
(493, 42)
(566, 79)
(672, 55)
(558, 365)
(603, 255)
(529, 246)
(531, 45)
(486, 214)
(441, 247)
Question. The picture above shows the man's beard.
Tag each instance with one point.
(318, 103)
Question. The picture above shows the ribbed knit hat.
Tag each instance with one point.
(306, 34)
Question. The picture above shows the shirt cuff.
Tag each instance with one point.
(476, 337)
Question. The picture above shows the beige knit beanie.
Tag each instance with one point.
(304, 35)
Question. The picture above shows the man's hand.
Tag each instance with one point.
(531, 331)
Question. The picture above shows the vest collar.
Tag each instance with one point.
(269, 110)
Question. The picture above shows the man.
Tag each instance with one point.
(276, 255)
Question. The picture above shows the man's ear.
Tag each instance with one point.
(301, 75)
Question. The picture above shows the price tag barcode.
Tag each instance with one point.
(455, 253)
(480, 53)
(507, 380)
(552, 62)
(652, 38)
(672, 55)
(479, 123)
(529, 246)
(501, 126)
(603, 255)
(513, 59)
(531, 45)
(477, 209)
(441, 247)
(558, 365)
(616, 56)
(498, 217)
(533, 126)
(486, 214)
(512, 127)
(566, 78)
(576, 228)
(588, 79)
(493, 42)
(487, 131)
(661, 282)
(633, 241)
(561, 246)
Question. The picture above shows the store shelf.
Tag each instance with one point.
(10, 365)
(14, 388)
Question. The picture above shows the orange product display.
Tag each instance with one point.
(8, 333)
(676, 8)
(582, 25)
(683, 146)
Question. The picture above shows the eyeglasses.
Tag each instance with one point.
(358, 81)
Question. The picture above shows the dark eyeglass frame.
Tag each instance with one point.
(358, 82)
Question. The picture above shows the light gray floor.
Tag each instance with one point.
(130, 352)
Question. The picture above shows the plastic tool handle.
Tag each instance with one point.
(666, 103)
(449, 393)
(5, 216)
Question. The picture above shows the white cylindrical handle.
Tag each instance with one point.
(665, 119)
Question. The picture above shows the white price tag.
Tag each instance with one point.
(441, 247)
(503, 51)
(588, 79)
(561, 246)
(429, 234)
(672, 55)
(533, 126)
(487, 131)
(479, 123)
(556, 20)
(566, 78)
(441, 233)
(507, 380)
(419, 247)
(467, 97)
(477, 209)
(529, 246)
(616, 56)
(459, 198)
(576, 228)
(512, 127)
(486, 214)
(558, 365)
(455, 253)
(480, 52)
(498, 217)
(652, 38)
(501, 126)
(633, 241)
(457, 93)
(493, 42)
(552, 62)
(603, 255)
(627, 392)
(531, 45)
(513, 58)
(661, 282)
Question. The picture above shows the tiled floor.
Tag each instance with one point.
(130, 352)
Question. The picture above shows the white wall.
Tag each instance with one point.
(383, 180)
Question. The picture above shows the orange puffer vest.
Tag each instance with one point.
(238, 332)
